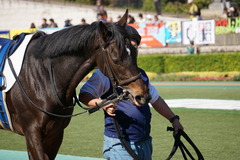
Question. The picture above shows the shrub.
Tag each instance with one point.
(176, 8)
(152, 63)
(197, 63)
(148, 5)
(182, 7)
(236, 78)
(203, 3)
(196, 76)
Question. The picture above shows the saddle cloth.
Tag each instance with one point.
(15, 50)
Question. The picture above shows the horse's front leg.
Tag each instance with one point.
(52, 143)
(35, 146)
(43, 147)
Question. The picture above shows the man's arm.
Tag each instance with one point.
(89, 100)
(162, 108)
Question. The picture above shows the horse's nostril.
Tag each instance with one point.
(138, 98)
(143, 99)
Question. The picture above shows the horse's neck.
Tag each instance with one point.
(70, 62)
(69, 71)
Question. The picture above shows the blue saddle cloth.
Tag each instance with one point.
(7, 48)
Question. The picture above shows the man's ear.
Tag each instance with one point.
(123, 20)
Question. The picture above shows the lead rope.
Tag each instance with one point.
(178, 143)
(116, 124)
(123, 140)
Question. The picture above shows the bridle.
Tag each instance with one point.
(115, 97)
(110, 72)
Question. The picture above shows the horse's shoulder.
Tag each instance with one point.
(38, 34)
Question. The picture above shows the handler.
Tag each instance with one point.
(134, 121)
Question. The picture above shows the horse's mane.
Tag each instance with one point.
(65, 41)
(75, 40)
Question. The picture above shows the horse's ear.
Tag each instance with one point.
(102, 29)
(123, 20)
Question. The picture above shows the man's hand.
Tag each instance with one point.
(176, 126)
(110, 109)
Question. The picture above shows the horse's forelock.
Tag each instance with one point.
(119, 35)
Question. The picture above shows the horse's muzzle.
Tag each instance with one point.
(143, 99)
(140, 100)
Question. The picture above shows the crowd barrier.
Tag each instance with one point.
(200, 32)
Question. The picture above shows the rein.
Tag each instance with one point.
(29, 99)
(179, 143)
(50, 70)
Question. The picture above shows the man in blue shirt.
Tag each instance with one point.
(134, 121)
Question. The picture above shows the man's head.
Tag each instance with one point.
(44, 20)
(51, 20)
(190, 1)
(134, 35)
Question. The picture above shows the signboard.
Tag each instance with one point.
(201, 32)
(14, 32)
(152, 35)
(173, 32)
(49, 30)
(5, 34)
(225, 26)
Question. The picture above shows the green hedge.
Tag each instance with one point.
(196, 63)
(152, 63)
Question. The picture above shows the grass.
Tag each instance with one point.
(201, 93)
(215, 132)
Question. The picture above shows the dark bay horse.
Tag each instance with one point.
(52, 69)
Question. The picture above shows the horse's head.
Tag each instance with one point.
(118, 60)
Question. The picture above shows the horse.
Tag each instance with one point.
(54, 65)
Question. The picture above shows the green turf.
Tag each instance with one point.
(215, 132)
(201, 93)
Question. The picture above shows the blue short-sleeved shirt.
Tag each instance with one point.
(133, 120)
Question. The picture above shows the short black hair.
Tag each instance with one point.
(133, 33)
